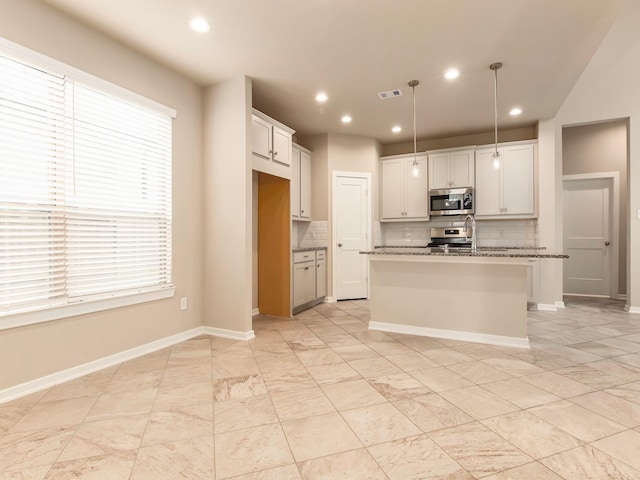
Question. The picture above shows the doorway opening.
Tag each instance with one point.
(595, 160)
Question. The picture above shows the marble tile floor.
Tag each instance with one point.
(320, 396)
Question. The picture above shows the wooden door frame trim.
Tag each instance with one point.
(614, 178)
(334, 242)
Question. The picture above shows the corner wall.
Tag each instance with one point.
(228, 210)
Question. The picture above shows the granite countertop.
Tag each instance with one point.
(509, 252)
(307, 249)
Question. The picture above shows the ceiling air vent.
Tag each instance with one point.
(389, 94)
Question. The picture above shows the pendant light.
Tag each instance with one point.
(495, 156)
(415, 168)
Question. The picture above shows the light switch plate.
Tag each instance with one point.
(183, 303)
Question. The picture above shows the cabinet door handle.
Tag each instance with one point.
(607, 243)
(306, 268)
(275, 154)
(270, 152)
(301, 211)
(339, 244)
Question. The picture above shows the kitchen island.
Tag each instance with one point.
(456, 294)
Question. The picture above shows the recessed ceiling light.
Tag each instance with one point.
(321, 97)
(515, 111)
(199, 24)
(396, 129)
(346, 119)
(451, 74)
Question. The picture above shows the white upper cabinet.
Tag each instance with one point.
(271, 145)
(451, 169)
(300, 183)
(403, 195)
(305, 185)
(510, 189)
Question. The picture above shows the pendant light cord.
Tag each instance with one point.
(495, 109)
(413, 84)
(415, 143)
(495, 67)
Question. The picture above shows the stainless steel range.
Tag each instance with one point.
(452, 237)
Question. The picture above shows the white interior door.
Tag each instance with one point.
(351, 223)
(587, 237)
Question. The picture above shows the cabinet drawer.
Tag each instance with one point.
(299, 257)
(320, 254)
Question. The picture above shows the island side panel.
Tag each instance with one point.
(475, 298)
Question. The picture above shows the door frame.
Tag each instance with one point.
(614, 221)
(334, 242)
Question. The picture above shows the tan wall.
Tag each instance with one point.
(34, 351)
(601, 147)
(484, 138)
(228, 217)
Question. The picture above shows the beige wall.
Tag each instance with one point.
(601, 147)
(34, 351)
(608, 89)
(228, 217)
(484, 138)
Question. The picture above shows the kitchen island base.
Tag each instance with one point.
(473, 299)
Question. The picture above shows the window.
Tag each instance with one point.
(85, 189)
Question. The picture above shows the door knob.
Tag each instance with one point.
(339, 244)
(607, 243)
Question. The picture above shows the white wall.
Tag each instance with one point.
(608, 89)
(31, 352)
(228, 210)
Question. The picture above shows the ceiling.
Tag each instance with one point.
(353, 49)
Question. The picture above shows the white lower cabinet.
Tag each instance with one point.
(321, 274)
(309, 278)
(533, 280)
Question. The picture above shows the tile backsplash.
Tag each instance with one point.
(491, 233)
(309, 234)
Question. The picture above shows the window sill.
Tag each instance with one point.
(49, 313)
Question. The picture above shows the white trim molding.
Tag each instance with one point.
(451, 334)
(232, 334)
(255, 311)
(72, 373)
(546, 307)
(630, 309)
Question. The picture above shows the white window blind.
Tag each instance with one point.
(85, 191)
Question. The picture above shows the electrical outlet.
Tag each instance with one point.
(183, 303)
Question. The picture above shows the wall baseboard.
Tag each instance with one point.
(255, 311)
(546, 307)
(630, 309)
(232, 334)
(72, 373)
(451, 334)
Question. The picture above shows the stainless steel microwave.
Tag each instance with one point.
(451, 201)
